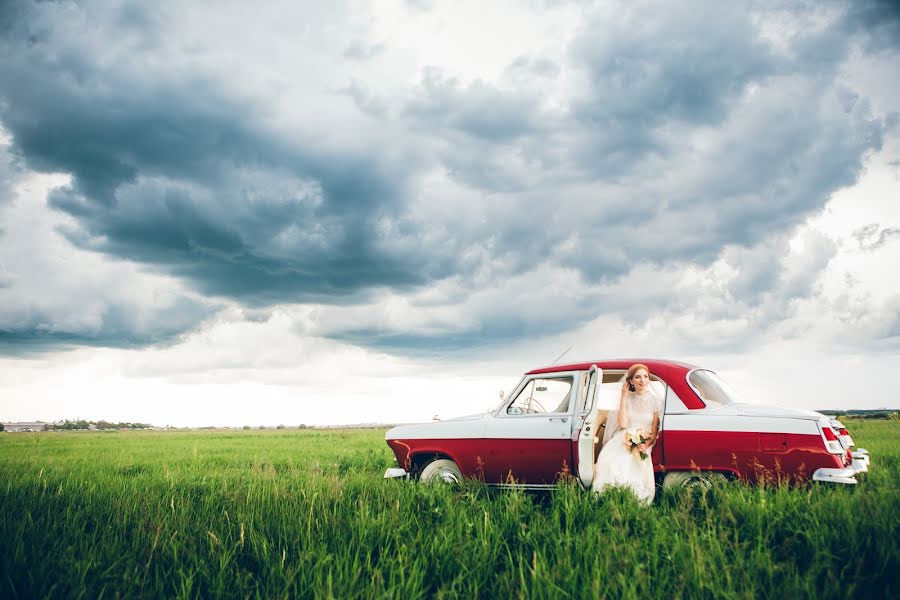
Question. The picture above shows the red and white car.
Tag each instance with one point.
(548, 428)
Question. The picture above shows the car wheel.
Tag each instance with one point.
(441, 471)
(692, 479)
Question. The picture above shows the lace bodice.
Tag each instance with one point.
(641, 408)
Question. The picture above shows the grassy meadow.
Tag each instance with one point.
(288, 513)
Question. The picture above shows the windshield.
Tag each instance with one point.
(712, 389)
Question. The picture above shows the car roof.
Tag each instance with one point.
(654, 364)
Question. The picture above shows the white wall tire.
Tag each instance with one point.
(692, 480)
(441, 470)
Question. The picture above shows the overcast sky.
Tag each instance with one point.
(339, 212)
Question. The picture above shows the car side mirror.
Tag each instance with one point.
(514, 410)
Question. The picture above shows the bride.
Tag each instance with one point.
(618, 465)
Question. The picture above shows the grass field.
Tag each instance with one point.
(272, 514)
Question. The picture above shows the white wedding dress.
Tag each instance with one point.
(618, 466)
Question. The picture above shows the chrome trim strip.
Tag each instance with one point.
(687, 380)
(523, 486)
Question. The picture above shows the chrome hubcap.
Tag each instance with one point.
(699, 483)
(447, 476)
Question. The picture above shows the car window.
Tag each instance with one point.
(711, 388)
(550, 395)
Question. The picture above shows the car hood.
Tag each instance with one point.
(465, 426)
(762, 410)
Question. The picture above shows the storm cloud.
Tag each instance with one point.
(301, 169)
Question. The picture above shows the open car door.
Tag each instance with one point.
(584, 431)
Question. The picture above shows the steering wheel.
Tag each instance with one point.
(531, 402)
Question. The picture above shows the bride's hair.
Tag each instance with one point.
(611, 417)
(634, 369)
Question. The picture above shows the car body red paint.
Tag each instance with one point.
(700, 431)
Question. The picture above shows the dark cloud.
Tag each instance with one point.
(120, 325)
(478, 109)
(650, 68)
(659, 139)
(10, 173)
(420, 5)
(531, 67)
(153, 165)
(873, 236)
(880, 19)
(428, 345)
(507, 318)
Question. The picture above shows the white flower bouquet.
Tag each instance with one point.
(637, 439)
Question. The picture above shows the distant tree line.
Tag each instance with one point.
(892, 415)
(82, 424)
(301, 426)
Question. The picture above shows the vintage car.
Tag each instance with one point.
(550, 427)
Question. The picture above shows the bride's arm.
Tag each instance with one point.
(622, 415)
(654, 428)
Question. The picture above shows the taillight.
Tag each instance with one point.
(832, 444)
(845, 437)
(843, 434)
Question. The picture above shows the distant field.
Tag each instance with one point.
(273, 514)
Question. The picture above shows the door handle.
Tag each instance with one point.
(560, 419)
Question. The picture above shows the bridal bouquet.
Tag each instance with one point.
(634, 438)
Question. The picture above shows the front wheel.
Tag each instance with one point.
(441, 470)
(692, 479)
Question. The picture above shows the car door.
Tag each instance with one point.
(528, 440)
(585, 425)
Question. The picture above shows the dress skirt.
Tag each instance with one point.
(618, 466)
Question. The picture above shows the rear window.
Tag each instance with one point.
(712, 389)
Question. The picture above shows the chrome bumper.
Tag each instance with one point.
(861, 460)
(847, 475)
(396, 473)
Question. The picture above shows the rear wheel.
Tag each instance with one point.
(692, 479)
(441, 470)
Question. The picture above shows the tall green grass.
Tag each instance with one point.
(268, 514)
